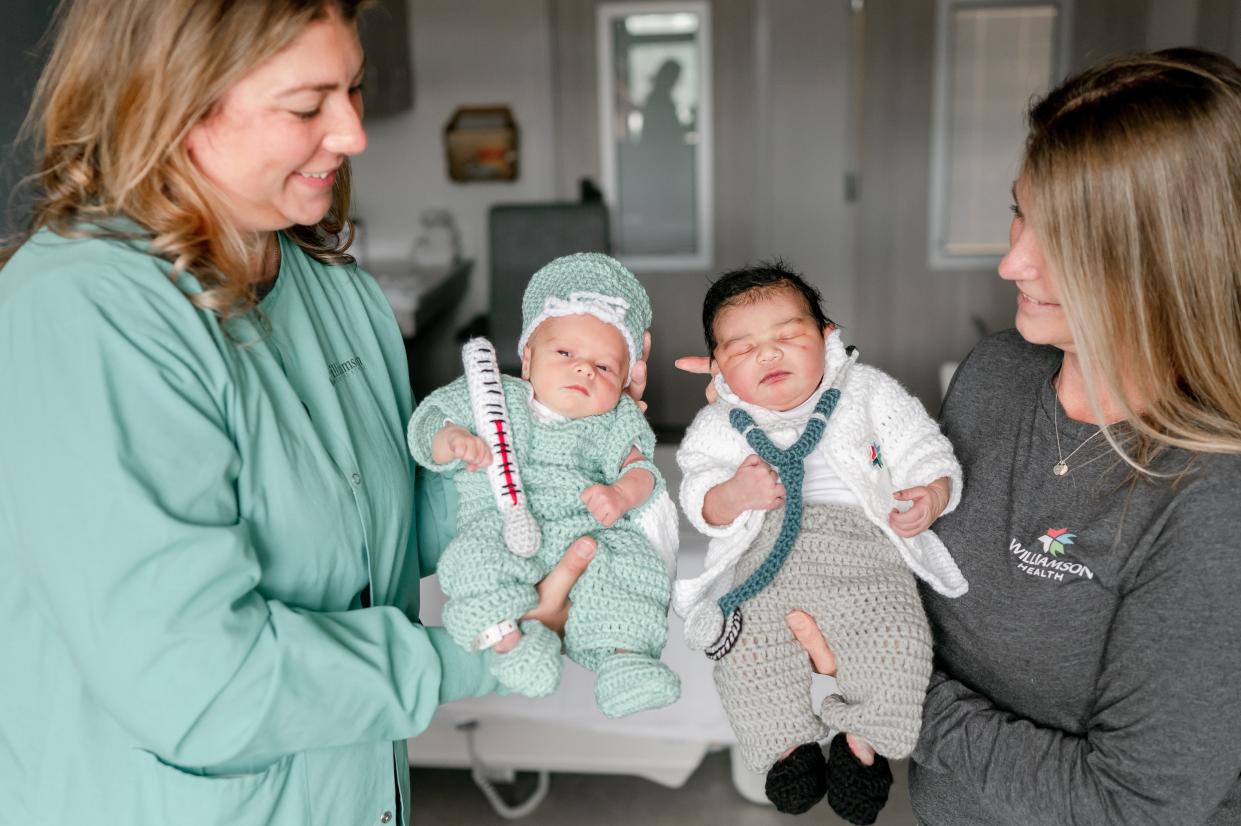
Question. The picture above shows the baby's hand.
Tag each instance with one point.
(928, 501)
(755, 486)
(455, 442)
(605, 503)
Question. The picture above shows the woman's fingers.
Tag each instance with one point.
(553, 607)
(638, 373)
(807, 632)
(693, 364)
(863, 751)
(701, 364)
(637, 380)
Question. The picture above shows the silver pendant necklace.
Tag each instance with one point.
(1061, 467)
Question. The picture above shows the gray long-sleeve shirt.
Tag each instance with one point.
(1090, 675)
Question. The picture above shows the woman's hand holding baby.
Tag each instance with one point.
(928, 501)
(455, 442)
(823, 661)
(755, 486)
(638, 373)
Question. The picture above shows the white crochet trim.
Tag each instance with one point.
(607, 308)
(658, 521)
(494, 634)
(491, 422)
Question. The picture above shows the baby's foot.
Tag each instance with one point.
(629, 683)
(856, 791)
(532, 666)
(862, 750)
(798, 780)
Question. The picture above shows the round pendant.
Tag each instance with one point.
(1060, 469)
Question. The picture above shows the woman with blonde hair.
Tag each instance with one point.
(211, 550)
(1088, 676)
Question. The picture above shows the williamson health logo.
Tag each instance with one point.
(1055, 540)
(1053, 563)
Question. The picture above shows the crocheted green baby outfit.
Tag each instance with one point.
(620, 602)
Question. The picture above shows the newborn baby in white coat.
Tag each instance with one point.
(799, 472)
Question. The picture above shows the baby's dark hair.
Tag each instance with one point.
(750, 284)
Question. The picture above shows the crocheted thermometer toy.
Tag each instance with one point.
(482, 375)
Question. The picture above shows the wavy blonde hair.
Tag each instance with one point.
(1133, 170)
(125, 82)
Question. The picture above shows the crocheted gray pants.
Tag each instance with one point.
(845, 573)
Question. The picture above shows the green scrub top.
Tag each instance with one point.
(188, 514)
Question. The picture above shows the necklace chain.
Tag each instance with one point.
(1061, 467)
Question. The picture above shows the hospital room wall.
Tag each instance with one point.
(801, 103)
(464, 53)
(913, 317)
(24, 24)
(781, 72)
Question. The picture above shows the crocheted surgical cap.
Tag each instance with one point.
(588, 283)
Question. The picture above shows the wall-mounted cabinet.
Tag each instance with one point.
(388, 86)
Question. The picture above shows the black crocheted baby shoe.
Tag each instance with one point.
(797, 782)
(854, 791)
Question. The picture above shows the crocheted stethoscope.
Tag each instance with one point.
(791, 465)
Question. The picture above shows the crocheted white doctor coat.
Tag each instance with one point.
(874, 411)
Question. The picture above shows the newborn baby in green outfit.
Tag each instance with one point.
(583, 449)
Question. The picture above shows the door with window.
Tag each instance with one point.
(721, 134)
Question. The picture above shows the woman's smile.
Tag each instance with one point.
(317, 180)
(1030, 302)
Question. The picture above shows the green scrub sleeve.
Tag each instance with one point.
(144, 565)
(435, 496)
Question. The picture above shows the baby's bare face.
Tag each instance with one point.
(577, 365)
(770, 351)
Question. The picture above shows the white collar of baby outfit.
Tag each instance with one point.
(544, 413)
(541, 412)
(835, 361)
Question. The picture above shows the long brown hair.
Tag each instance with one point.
(1133, 169)
(125, 82)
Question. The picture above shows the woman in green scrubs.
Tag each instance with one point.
(212, 531)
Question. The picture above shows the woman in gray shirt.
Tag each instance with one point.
(1089, 675)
